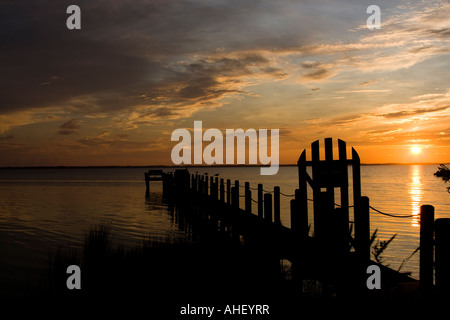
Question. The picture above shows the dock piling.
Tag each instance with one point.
(260, 200)
(268, 207)
(426, 246)
(276, 205)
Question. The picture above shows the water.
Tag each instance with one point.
(42, 209)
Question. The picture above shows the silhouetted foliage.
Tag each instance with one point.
(163, 271)
(379, 246)
(444, 173)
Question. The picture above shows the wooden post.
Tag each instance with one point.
(343, 168)
(248, 198)
(205, 191)
(322, 219)
(426, 246)
(300, 222)
(442, 253)
(236, 187)
(268, 207)
(302, 211)
(201, 187)
(228, 191)
(211, 187)
(315, 162)
(362, 230)
(294, 217)
(276, 205)
(222, 190)
(216, 188)
(147, 184)
(260, 200)
(340, 241)
(329, 162)
(234, 197)
(356, 177)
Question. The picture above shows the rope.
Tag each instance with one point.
(266, 191)
(392, 215)
(287, 195)
(338, 205)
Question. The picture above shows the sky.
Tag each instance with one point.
(113, 92)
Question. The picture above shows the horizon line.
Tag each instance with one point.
(197, 165)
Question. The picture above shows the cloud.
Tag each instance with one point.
(365, 91)
(173, 55)
(383, 132)
(316, 71)
(150, 65)
(69, 127)
(7, 137)
(365, 83)
(428, 96)
(407, 113)
(394, 124)
(125, 49)
(102, 144)
(340, 121)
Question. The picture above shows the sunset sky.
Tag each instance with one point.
(113, 92)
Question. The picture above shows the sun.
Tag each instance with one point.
(416, 150)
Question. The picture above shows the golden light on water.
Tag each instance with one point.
(415, 192)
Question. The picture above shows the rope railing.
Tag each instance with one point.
(312, 200)
(287, 195)
(392, 215)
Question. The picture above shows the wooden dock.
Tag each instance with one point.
(333, 248)
(250, 216)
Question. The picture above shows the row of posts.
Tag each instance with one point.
(268, 209)
(268, 203)
(434, 250)
(434, 234)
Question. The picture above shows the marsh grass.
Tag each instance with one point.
(161, 271)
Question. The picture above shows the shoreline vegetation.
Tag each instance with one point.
(164, 274)
(443, 173)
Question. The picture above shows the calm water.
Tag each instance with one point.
(41, 209)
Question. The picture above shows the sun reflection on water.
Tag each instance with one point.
(415, 192)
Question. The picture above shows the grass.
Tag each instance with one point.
(162, 272)
(159, 275)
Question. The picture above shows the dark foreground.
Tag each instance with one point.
(163, 279)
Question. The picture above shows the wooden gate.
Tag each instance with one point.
(330, 180)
